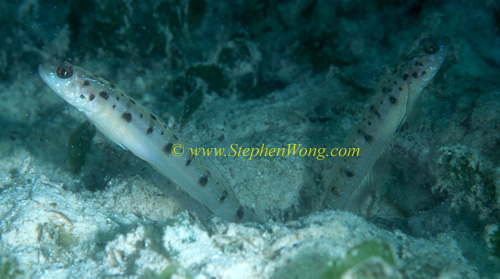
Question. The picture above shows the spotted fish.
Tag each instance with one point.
(133, 127)
(344, 185)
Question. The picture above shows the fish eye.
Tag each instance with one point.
(64, 71)
(430, 47)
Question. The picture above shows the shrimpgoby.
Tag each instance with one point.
(344, 184)
(130, 125)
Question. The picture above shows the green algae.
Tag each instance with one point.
(167, 273)
(9, 268)
(369, 258)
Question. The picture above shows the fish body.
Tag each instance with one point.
(344, 185)
(133, 127)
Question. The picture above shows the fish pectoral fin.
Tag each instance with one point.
(407, 109)
(124, 148)
(362, 198)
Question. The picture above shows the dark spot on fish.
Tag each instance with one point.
(168, 148)
(405, 77)
(372, 108)
(82, 96)
(86, 83)
(384, 89)
(369, 123)
(188, 162)
(127, 116)
(153, 117)
(104, 95)
(117, 98)
(349, 173)
(222, 197)
(415, 75)
(132, 101)
(400, 89)
(423, 73)
(392, 99)
(141, 116)
(368, 138)
(112, 86)
(162, 133)
(149, 131)
(91, 97)
(239, 213)
(203, 181)
(175, 137)
(114, 106)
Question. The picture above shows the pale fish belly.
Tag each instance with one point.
(344, 185)
(133, 127)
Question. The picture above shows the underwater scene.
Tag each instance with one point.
(250, 139)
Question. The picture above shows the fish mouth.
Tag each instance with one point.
(44, 72)
(47, 72)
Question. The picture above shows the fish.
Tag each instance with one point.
(346, 184)
(133, 127)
